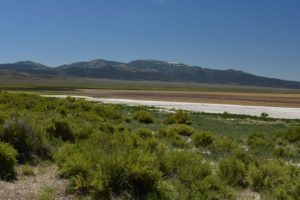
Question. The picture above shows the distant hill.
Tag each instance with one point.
(152, 70)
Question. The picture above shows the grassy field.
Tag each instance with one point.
(62, 84)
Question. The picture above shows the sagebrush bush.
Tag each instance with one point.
(144, 117)
(107, 127)
(3, 117)
(203, 139)
(258, 140)
(293, 134)
(290, 189)
(120, 168)
(223, 144)
(61, 129)
(268, 175)
(162, 133)
(232, 171)
(180, 117)
(180, 129)
(127, 118)
(284, 152)
(171, 162)
(178, 142)
(243, 156)
(211, 188)
(144, 132)
(109, 111)
(25, 140)
(7, 161)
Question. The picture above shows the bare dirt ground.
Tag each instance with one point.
(44, 185)
(257, 99)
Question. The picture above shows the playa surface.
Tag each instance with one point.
(274, 112)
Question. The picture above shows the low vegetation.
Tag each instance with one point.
(121, 152)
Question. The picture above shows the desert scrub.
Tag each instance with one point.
(223, 144)
(143, 117)
(292, 134)
(180, 129)
(170, 163)
(203, 139)
(144, 132)
(127, 118)
(60, 129)
(232, 171)
(122, 161)
(162, 133)
(108, 111)
(268, 175)
(178, 142)
(180, 117)
(7, 161)
(25, 140)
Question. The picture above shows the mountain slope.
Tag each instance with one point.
(152, 70)
(28, 67)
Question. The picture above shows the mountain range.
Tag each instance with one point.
(151, 70)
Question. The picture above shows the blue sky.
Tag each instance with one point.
(256, 36)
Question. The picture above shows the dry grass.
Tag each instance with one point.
(33, 187)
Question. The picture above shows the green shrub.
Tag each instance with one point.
(243, 156)
(180, 117)
(223, 144)
(257, 139)
(151, 144)
(193, 171)
(120, 168)
(178, 142)
(284, 152)
(108, 111)
(259, 144)
(203, 139)
(127, 118)
(264, 115)
(60, 129)
(7, 161)
(171, 162)
(289, 189)
(107, 127)
(232, 171)
(162, 133)
(25, 140)
(211, 188)
(180, 129)
(27, 170)
(48, 193)
(3, 117)
(293, 134)
(144, 132)
(267, 175)
(144, 117)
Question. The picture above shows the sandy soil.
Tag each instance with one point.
(30, 187)
(258, 99)
(274, 112)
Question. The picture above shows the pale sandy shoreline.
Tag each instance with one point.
(273, 112)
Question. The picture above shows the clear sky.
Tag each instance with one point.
(256, 36)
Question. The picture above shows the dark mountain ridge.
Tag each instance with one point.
(152, 70)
